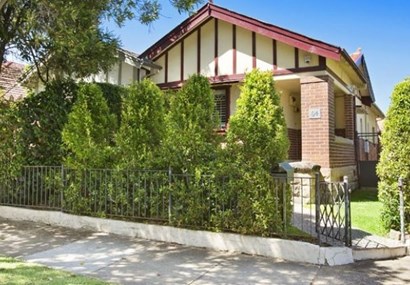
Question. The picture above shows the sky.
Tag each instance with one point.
(381, 28)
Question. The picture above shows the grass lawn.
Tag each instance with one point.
(365, 211)
(17, 272)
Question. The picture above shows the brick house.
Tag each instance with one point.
(319, 83)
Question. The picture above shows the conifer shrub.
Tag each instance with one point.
(88, 135)
(394, 159)
(142, 127)
(191, 140)
(256, 142)
(190, 148)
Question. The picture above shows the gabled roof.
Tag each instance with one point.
(134, 59)
(10, 80)
(213, 11)
(359, 60)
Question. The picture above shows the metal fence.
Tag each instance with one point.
(304, 207)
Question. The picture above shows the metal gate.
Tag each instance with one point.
(333, 215)
(322, 209)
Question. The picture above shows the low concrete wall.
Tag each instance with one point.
(379, 253)
(270, 247)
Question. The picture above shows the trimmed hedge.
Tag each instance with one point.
(395, 156)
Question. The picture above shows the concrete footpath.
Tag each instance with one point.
(125, 260)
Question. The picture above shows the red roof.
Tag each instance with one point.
(213, 11)
(9, 80)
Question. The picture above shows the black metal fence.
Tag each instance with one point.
(304, 207)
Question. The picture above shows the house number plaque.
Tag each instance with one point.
(314, 113)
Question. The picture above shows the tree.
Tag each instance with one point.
(65, 38)
(394, 159)
(257, 130)
(142, 126)
(191, 139)
(88, 135)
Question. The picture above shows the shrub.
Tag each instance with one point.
(142, 127)
(256, 142)
(114, 95)
(89, 133)
(10, 157)
(191, 140)
(42, 117)
(257, 130)
(394, 160)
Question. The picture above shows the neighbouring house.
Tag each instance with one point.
(320, 84)
(129, 68)
(10, 84)
(369, 119)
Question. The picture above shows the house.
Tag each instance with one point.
(368, 113)
(320, 84)
(10, 81)
(129, 68)
(369, 120)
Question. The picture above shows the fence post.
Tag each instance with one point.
(317, 202)
(347, 210)
(401, 208)
(62, 188)
(169, 195)
(284, 183)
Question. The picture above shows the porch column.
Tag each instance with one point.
(350, 116)
(318, 119)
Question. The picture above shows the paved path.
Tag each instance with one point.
(126, 260)
(303, 217)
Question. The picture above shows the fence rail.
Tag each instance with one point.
(302, 207)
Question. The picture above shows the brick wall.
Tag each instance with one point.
(295, 149)
(317, 134)
(342, 154)
(350, 116)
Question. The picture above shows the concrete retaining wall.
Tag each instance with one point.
(270, 247)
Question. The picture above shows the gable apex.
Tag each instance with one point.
(209, 11)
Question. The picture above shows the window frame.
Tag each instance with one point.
(227, 90)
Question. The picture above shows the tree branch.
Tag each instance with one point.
(2, 3)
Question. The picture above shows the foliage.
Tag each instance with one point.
(394, 159)
(10, 159)
(257, 130)
(60, 38)
(142, 127)
(113, 94)
(42, 117)
(191, 140)
(256, 142)
(66, 38)
(88, 134)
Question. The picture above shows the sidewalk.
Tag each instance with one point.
(134, 261)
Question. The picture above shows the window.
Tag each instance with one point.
(221, 106)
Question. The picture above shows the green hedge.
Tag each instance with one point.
(395, 156)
